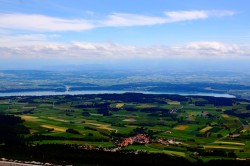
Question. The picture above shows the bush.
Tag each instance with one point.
(85, 114)
(231, 154)
(90, 134)
(72, 131)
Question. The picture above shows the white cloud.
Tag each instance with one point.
(175, 16)
(24, 40)
(185, 15)
(216, 49)
(211, 46)
(123, 19)
(85, 50)
(37, 22)
(19, 38)
(220, 13)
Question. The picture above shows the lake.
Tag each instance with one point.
(49, 93)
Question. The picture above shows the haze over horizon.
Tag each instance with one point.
(206, 34)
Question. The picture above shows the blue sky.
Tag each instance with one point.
(89, 31)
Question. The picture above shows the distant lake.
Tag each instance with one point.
(49, 93)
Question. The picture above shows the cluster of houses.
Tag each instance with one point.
(166, 142)
(242, 159)
(144, 139)
(233, 135)
(139, 138)
(173, 111)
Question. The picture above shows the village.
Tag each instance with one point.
(144, 139)
(137, 139)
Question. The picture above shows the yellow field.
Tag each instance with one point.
(129, 120)
(127, 115)
(119, 105)
(29, 118)
(174, 102)
(26, 117)
(225, 116)
(181, 127)
(95, 114)
(144, 106)
(243, 131)
(101, 126)
(221, 147)
(205, 129)
(182, 154)
(230, 143)
(56, 119)
(33, 131)
(56, 128)
(131, 126)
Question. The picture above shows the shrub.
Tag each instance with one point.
(72, 131)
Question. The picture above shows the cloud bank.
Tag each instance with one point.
(111, 51)
(38, 22)
(38, 45)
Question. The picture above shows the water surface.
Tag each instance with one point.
(49, 93)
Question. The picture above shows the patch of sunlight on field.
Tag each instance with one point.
(56, 128)
(119, 105)
(181, 127)
(174, 102)
(127, 115)
(131, 126)
(229, 143)
(144, 106)
(221, 147)
(96, 114)
(182, 154)
(56, 119)
(169, 152)
(206, 129)
(243, 131)
(129, 120)
(101, 126)
(29, 118)
(33, 131)
(225, 116)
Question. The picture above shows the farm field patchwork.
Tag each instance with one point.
(170, 124)
(181, 127)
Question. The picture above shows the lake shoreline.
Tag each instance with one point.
(51, 93)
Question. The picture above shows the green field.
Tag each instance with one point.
(176, 125)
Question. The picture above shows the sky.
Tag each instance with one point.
(60, 32)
